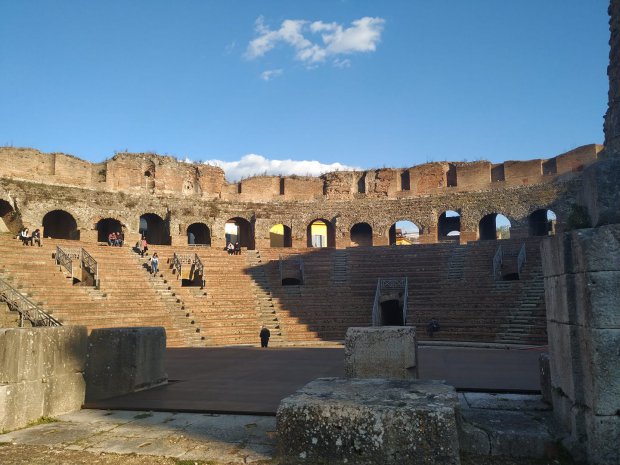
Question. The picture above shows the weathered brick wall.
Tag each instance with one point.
(523, 172)
(612, 118)
(473, 174)
(153, 174)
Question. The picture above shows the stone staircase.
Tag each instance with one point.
(183, 319)
(340, 270)
(525, 324)
(456, 263)
(267, 311)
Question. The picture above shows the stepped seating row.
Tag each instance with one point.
(451, 283)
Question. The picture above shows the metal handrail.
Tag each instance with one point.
(199, 269)
(90, 264)
(405, 302)
(301, 269)
(376, 315)
(64, 258)
(390, 284)
(27, 309)
(521, 259)
(498, 259)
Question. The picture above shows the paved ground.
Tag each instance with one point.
(250, 380)
(164, 438)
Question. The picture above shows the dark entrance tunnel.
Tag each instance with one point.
(392, 313)
(59, 224)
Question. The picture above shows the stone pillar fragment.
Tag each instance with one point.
(582, 291)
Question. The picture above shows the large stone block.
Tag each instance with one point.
(565, 362)
(601, 191)
(603, 439)
(124, 360)
(20, 403)
(600, 358)
(63, 350)
(381, 352)
(20, 355)
(63, 394)
(559, 308)
(597, 299)
(369, 421)
(28, 354)
(582, 250)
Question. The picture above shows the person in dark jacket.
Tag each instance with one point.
(264, 336)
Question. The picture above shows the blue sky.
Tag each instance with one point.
(360, 83)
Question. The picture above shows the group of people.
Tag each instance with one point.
(233, 249)
(30, 239)
(116, 239)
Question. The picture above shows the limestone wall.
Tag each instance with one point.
(582, 283)
(41, 373)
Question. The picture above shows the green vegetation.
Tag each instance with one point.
(141, 416)
(41, 421)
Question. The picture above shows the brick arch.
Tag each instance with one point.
(328, 237)
(154, 228)
(360, 234)
(60, 224)
(393, 233)
(244, 234)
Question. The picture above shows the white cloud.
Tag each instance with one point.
(335, 40)
(269, 74)
(253, 165)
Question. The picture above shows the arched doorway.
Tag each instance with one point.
(280, 236)
(320, 233)
(58, 224)
(404, 232)
(449, 225)
(392, 313)
(107, 226)
(361, 235)
(542, 223)
(239, 230)
(494, 226)
(9, 219)
(198, 234)
(155, 229)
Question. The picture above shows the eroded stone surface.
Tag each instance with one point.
(369, 421)
(381, 352)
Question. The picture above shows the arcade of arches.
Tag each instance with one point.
(319, 232)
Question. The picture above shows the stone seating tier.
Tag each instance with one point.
(242, 292)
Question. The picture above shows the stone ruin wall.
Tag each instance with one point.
(153, 174)
(33, 200)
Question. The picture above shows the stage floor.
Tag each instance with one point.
(250, 380)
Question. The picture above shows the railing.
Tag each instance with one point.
(390, 284)
(176, 264)
(27, 309)
(497, 262)
(89, 264)
(199, 269)
(521, 259)
(376, 312)
(301, 269)
(64, 258)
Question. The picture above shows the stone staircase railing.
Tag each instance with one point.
(27, 309)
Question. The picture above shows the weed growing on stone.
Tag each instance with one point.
(41, 421)
(141, 416)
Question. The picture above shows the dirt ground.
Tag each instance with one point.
(41, 455)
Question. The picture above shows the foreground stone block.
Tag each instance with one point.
(20, 403)
(124, 360)
(369, 421)
(63, 394)
(381, 352)
(603, 439)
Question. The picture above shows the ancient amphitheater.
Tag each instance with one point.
(457, 270)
